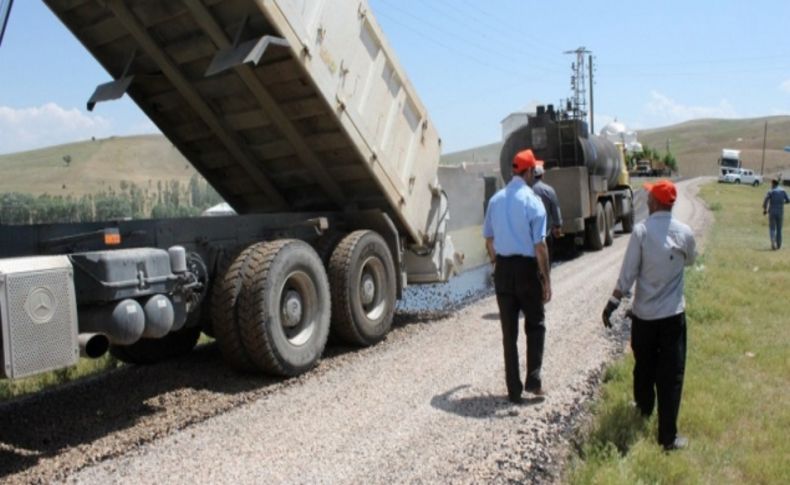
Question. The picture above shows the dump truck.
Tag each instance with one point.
(588, 172)
(300, 116)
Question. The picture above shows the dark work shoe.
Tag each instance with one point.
(515, 399)
(680, 443)
(537, 391)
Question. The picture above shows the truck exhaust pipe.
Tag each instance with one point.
(93, 345)
(123, 323)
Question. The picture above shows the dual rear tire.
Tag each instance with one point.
(599, 229)
(271, 310)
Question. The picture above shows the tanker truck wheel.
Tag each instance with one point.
(595, 228)
(153, 350)
(362, 273)
(284, 307)
(628, 219)
(609, 216)
(225, 312)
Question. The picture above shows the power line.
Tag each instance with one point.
(624, 73)
(5, 13)
(499, 21)
(512, 44)
(444, 45)
(697, 62)
(438, 28)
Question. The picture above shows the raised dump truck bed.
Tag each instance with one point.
(326, 120)
(299, 115)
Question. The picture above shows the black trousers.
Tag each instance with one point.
(660, 353)
(519, 289)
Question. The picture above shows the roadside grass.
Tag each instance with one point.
(736, 397)
(84, 368)
(29, 385)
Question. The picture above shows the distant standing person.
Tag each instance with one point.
(515, 232)
(773, 205)
(658, 250)
(552, 205)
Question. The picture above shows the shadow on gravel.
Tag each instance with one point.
(82, 412)
(482, 406)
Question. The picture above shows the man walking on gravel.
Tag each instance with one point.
(552, 205)
(773, 205)
(657, 252)
(515, 232)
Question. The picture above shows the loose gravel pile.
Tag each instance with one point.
(426, 405)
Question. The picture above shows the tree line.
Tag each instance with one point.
(160, 199)
(665, 164)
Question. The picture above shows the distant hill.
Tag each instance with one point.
(98, 165)
(696, 144)
(93, 166)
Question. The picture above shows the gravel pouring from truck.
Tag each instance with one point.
(301, 117)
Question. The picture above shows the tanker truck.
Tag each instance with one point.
(301, 117)
(588, 173)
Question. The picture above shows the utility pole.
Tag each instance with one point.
(578, 83)
(592, 119)
(765, 137)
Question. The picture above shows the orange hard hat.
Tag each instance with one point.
(663, 191)
(524, 160)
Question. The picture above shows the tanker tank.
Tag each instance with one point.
(562, 143)
(586, 171)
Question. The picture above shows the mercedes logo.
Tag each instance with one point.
(40, 305)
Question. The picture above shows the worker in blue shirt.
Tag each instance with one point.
(773, 205)
(515, 233)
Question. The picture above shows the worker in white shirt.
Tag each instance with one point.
(657, 253)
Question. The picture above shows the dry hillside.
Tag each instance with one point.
(95, 165)
(697, 144)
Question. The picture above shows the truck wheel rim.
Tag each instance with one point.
(371, 285)
(298, 307)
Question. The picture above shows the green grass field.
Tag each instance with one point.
(736, 397)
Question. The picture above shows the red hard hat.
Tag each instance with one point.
(524, 160)
(663, 191)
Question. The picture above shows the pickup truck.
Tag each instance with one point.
(742, 176)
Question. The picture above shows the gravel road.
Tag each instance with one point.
(426, 405)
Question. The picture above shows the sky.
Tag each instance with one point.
(472, 63)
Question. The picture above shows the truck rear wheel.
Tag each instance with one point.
(225, 312)
(609, 216)
(362, 272)
(151, 351)
(224, 258)
(595, 228)
(284, 307)
(326, 243)
(628, 219)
